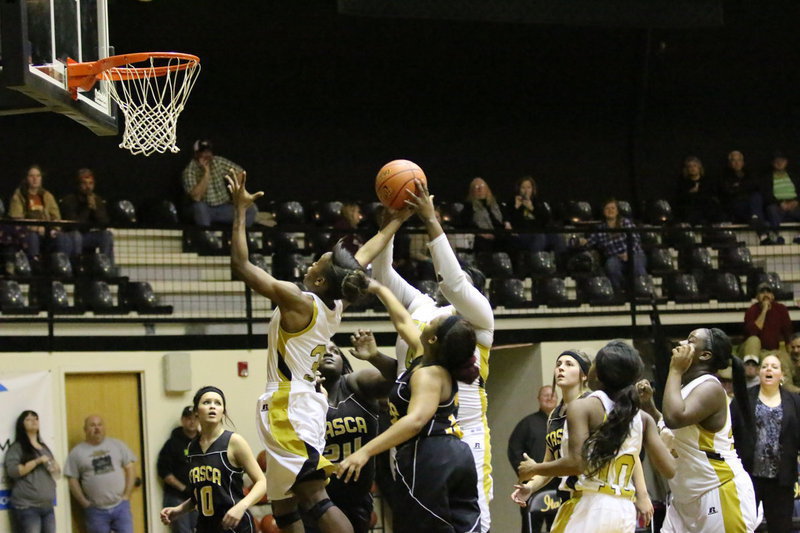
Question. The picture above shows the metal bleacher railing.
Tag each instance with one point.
(177, 273)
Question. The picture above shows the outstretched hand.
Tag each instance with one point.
(645, 391)
(239, 195)
(422, 202)
(364, 345)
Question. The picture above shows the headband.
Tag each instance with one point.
(448, 323)
(581, 361)
(209, 388)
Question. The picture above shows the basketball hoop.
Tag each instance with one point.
(150, 88)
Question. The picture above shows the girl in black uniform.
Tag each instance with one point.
(351, 423)
(217, 459)
(435, 469)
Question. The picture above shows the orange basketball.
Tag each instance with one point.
(268, 525)
(395, 179)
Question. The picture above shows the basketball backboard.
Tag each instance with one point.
(36, 38)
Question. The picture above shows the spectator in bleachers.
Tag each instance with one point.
(89, 209)
(751, 366)
(31, 201)
(696, 201)
(482, 211)
(768, 329)
(738, 192)
(531, 218)
(779, 191)
(617, 250)
(204, 183)
(794, 354)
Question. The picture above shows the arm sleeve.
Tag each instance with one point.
(126, 453)
(455, 286)
(189, 177)
(383, 271)
(15, 208)
(12, 461)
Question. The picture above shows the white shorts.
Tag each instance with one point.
(291, 424)
(595, 512)
(730, 508)
(476, 438)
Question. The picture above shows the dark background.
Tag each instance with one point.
(312, 103)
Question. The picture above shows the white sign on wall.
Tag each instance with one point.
(21, 392)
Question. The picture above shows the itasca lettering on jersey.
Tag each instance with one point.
(202, 473)
(348, 424)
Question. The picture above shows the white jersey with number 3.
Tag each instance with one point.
(616, 477)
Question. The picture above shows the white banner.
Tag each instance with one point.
(21, 392)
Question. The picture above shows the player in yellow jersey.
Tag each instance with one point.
(711, 491)
(601, 440)
(291, 413)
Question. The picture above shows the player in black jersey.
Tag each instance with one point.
(217, 460)
(435, 469)
(351, 423)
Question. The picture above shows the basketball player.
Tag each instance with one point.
(572, 377)
(291, 411)
(468, 302)
(711, 491)
(217, 459)
(434, 467)
(352, 423)
(603, 436)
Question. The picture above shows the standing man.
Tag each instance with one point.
(204, 183)
(173, 469)
(101, 475)
(528, 437)
(89, 209)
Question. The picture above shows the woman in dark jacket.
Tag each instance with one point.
(770, 454)
(531, 218)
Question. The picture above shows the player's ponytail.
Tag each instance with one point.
(354, 285)
(618, 368)
(342, 264)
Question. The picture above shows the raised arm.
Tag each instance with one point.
(705, 400)
(296, 307)
(453, 282)
(399, 315)
(392, 222)
(426, 384)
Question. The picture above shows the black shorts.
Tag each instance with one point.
(437, 487)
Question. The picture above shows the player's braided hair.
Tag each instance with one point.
(618, 367)
(342, 274)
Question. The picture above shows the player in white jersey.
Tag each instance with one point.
(601, 440)
(291, 412)
(711, 491)
(464, 299)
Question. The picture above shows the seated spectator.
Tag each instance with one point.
(696, 201)
(614, 247)
(347, 224)
(779, 191)
(482, 211)
(31, 201)
(418, 249)
(768, 330)
(204, 182)
(739, 197)
(531, 218)
(752, 367)
(89, 209)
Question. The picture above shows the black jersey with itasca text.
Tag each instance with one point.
(443, 421)
(351, 423)
(216, 485)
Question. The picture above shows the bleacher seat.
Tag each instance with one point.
(681, 236)
(285, 243)
(695, 259)
(625, 209)
(496, 265)
(140, 297)
(99, 266)
(596, 290)
(203, 242)
(756, 277)
(12, 301)
(57, 299)
(658, 212)
(583, 263)
(326, 213)
(290, 213)
(650, 239)
(60, 266)
(577, 211)
(122, 213)
(159, 213)
(535, 264)
(288, 266)
(96, 296)
(736, 259)
(683, 288)
(724, 286)
(660, 261)
(508, 293)
(644, 289)
(318, 242)
(21, 265)
(719, 238)
(551, 292)
(452, 214)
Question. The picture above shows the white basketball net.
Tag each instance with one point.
(151, 103)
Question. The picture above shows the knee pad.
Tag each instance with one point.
(320, 508)
(283, 521)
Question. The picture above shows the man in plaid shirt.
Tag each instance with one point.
(204, 182)
(614, 246)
